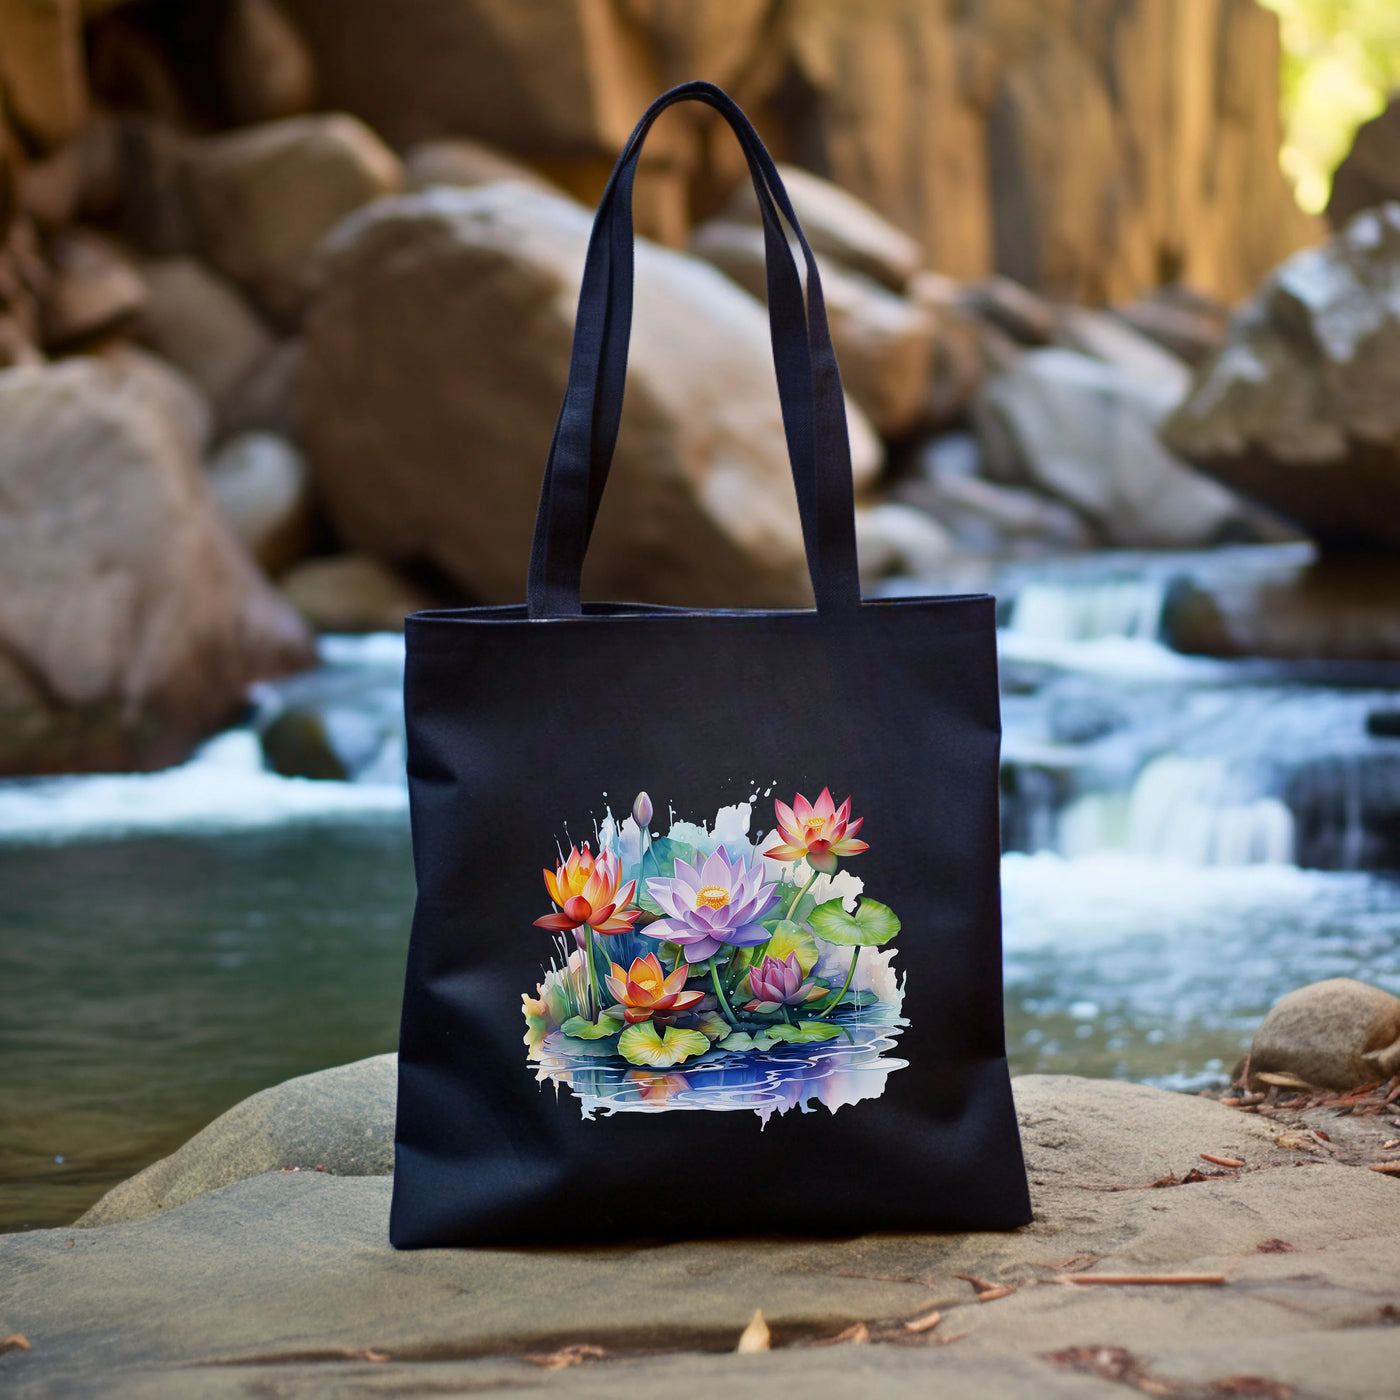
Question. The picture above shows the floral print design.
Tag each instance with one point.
(756, 963)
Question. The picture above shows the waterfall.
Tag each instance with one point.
(1079, 612)
(1192, 810)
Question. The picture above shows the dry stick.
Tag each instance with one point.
(1205, 1280)
(1389, 1168)
(924, 1323)
(1221, 1161)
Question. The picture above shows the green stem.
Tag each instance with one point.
(836, 1000)
(719, 992)
(592, 974)
(786, 1016)
(802, 893)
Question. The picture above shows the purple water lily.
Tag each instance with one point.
(708, 906)
(777, 983)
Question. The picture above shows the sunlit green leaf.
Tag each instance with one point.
(873, 923)
(583, 1029)
(643, 1045)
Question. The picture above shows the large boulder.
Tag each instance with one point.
(885, 343)
(1370, 173)
(340, 1120)
(264, 196)
(42, 71)
(350, 593)
(1337, 1034)
(1303, 610)
(131, 621)
(838, 224)
(1085, 432)
(437, 356)
(283, 1282)
(202, 323)
(1301, 409)
(264, 64)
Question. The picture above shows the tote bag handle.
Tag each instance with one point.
(809, 385)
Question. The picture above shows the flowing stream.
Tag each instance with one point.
(1185, 840)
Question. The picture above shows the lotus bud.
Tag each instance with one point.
(642, 811)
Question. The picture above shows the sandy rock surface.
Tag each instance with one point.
(283, 1284)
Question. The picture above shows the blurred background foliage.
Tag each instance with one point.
(1341, 62)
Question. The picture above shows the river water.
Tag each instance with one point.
(1185, 841)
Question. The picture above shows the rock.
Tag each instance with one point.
(150, 198)
(94, 290)
(1027, 318)
(266, 69)
(1014, 137)
(1084, 431)
(339, 1119)
(1346, 810)
(265, 400)
(1337, 1034)
(202, 323)
(1190, 326)
(297, 745)
(1301, 409)
(983, 516)
(458, 161)
(838, 224)
(1370, 172)
(897, 538)
(884, 343)
(183, 410)
(959, 362)
(264, 491)
(265, 196)
(130, 620)
(1108, 338)
(447, 318)
(41, 68)
(350, 593)
(562, 80)
(1330, 610)
(307, 1286)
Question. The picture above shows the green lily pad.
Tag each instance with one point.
(643, 1045)
(805, 1032)
(873, 923)
(712, 1024)
(740, 1040)
(580, 1028)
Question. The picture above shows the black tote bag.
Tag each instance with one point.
(707, 939)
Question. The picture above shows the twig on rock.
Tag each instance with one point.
(573, 1355)
(1221, 1161)
(924, 1323)
(1190, 1280)
(987, 1292)
(16, 1341)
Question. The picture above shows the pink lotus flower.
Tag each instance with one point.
(776, 984)
(646, 992)
(586, 890)
(820, 831)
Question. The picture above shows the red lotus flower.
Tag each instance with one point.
(820, 831)
(646, 991)
(585, 887)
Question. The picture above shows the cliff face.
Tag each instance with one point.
(1092, 148)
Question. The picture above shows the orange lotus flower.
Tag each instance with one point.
(646, 991)
(585, 887)
(821, 831)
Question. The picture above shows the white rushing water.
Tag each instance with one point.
(227, 785)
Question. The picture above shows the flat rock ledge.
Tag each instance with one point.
(217, 1272)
